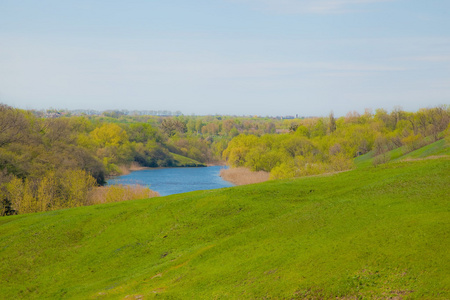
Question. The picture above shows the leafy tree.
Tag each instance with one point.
(172, 126)
(141, 133)
(319, 129)
(331, 123)
(13, 125)
(298, 145)
(109, 135)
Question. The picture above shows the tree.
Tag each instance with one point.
(109, 135)
(396, 115)
(297, 145)
(212, 128)
(141, 133)
(227, 125)
(439, 118)
(319, 129)
(13, 125)
(238, 148)
(58, 130)
(331, 123)
(172, 126)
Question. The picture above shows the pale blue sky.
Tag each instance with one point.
(263, 57)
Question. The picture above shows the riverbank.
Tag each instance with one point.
(243, 176)
(126, 170)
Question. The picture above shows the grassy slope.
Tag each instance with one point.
(183, 161)
(435, 149)
(438, 148)
(369, 232)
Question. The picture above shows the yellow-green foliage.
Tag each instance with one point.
(52, 191)
(340, 162)
(118, 193)
(287, 155)
(413, 141)
(68, 189)
(238, 148)
(320, 145)
(284, 170)
(109, 135)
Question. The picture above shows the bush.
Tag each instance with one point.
(380, 159)
(50, 192)
(413, 142)
(284, 170)
(340, 163)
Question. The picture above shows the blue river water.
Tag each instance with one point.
(168, 181)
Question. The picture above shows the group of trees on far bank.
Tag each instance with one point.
(320, 145)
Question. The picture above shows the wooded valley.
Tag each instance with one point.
(48, 163)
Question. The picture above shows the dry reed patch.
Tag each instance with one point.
(136, 167)
(127, 169)
(118, 193)
(124, 170)
(242, 176)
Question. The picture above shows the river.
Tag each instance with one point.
(168, 181)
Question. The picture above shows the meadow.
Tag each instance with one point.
(375, 232)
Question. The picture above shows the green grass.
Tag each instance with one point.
(437, 148)
(183, 161)
(371, 232)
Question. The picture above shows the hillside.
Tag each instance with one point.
(433, 150)
(183, 161)
(380, 231)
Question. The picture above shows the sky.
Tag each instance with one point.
(233, 57)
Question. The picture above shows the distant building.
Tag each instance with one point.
(53, 115)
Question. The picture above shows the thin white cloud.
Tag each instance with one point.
(430, 58)
(311, 6)
(275, 69)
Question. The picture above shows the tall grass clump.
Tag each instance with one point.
(243, 176)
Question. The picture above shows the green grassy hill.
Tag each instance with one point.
(183, 161)
(438, 148)
(374, 233)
